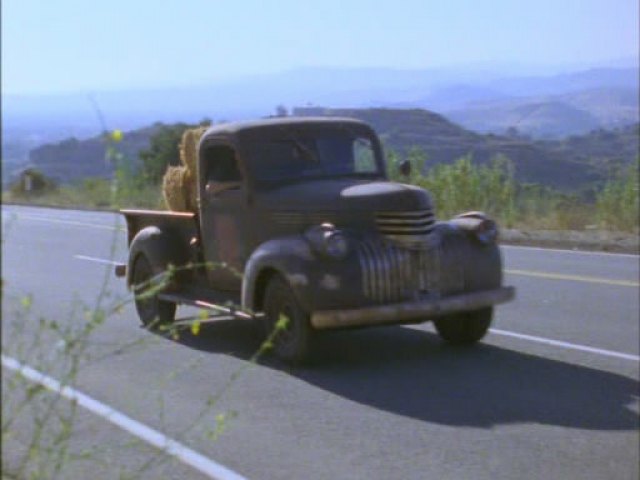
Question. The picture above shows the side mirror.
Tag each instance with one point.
(405, 168)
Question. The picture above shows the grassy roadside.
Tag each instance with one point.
(93, 194)
(599, 209)
(604, 217)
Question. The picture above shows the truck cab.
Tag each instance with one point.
(297, 220)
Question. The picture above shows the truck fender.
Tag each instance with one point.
(478, 263)
(287, 256)
(161, 247)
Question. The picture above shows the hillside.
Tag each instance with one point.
(569, 164)
(607, 96)
(72, 160)
(600, 148)
(488, 99)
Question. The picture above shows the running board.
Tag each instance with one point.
(223, 311)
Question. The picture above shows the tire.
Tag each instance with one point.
(152, 311)
(292, 343)
(162, 248)
(464, 328)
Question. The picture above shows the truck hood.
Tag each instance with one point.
(345, 195)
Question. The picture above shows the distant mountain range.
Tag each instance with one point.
(552, 116)
(542, 107)
(572, 164)
(480, 99)
(608, 96)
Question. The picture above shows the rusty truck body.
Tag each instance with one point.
(297, 219)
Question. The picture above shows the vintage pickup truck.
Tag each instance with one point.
(297, 219)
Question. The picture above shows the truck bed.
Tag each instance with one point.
(185, 224)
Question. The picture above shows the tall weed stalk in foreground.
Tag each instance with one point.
(38, 426)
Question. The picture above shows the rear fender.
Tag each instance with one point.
(163, 248)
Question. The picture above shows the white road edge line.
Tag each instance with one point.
(96, 260)
(73, 222)
(171, 447)
(564, 250)
(570, 346)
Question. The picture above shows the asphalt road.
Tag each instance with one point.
(552, 392)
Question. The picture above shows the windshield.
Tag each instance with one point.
(293, 156)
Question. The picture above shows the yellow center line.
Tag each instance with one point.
(576, 278)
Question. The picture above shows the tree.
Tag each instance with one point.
(164, 150)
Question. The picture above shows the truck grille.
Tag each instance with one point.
(409, 229)
(395, 274)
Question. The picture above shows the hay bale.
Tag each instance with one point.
(180, 190)
(189, 147)
(173, 188)
(190, 190)
(179, 184)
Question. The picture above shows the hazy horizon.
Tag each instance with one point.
(485, 72)
(68, 46)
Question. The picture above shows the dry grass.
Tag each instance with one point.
(93, 193)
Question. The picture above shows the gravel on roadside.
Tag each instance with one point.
(594, 240)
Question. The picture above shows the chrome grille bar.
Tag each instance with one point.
(407, 228)
(392, 274)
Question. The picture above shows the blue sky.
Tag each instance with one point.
(68, 45)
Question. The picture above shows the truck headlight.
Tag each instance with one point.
(327, 240)
(487, 231)
(484, 228)
(335, 244)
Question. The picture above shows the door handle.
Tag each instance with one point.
(216, 188)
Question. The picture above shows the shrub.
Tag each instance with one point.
(617, 203)
(463, 186)
(32, 182)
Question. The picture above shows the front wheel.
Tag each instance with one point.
(287, 324)
(152, 311)
(464, 328)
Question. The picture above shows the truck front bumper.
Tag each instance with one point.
(410, 312)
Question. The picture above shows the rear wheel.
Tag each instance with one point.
(152, 311)
(465, 328)
(287, 324)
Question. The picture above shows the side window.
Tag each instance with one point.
(221, 165)
(364, 156)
